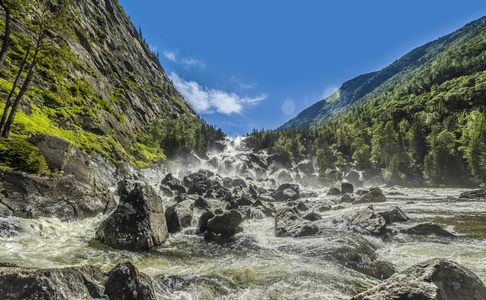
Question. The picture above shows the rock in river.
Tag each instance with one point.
(139, 221)
(374, 195)
(289, 222)
(179, 215)
(123, 282)
(368, 221)
(435, 279)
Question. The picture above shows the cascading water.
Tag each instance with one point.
(257, 264)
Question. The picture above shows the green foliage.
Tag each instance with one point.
(18, 154)
(424, 122)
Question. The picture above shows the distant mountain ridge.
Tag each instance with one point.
(371, 85)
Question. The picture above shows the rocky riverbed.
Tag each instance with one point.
(241, 227)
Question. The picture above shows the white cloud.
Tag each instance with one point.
(191, 62)
(205, 100)
(187, 62)
(170, 55)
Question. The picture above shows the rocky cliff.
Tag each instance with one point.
(97, 84)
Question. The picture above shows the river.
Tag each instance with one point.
(259, 265)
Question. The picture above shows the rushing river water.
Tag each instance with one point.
(257, 264)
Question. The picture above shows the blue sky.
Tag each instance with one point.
(256, 64)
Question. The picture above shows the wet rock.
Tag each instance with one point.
(65, 197)
(368, 221)
(289, 222)
(255, 213)
(202, 203)
(287, 192)
(435, 279)
(10, 227)
(179, 215)
(334, 191)
(203, 220)
(244, 201)
(347, 187)
(395, 215)
(346, 198)
(124, 282)
(357, 253)
(481, 193)
(324, 207)
(253, 190)
(374, 195)
(174, 184)
(226, 224)
(238, 182)
(302, 206)
(308, 194)
(428, 229)
(313, 216)
(139, 221)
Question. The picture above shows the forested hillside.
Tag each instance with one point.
(90, 78)
(425, 125)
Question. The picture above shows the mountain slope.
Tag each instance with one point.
(98, 85)
(368, 86)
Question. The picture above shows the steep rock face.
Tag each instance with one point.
(77, 192)
(106, 87)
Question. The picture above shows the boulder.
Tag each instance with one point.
(203, 220)
(428, 229)
(435, 279)
(347, 187)
(179, 215)
(395, 215)
(174, 184)
(313, 216)
(481, 193)
(286, 192)
(324, 207)
(202, 203)
(226, 224)
(334, 191)
(374, 195)
(347, 198)
(139, 221)
(368, 221)
(289, 222)
(357, 253)
(302, 206)
(124, 282)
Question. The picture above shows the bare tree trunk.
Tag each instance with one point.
(6, 37)
(23, 89)
(8, 103)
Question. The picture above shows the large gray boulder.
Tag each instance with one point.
(428, 229)
(139, 221)
(368, 221)
(179, 215)
(123, 282)
(226, 224)
(287, 192)
(374, 195)
(289, 222)
(435, 279)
